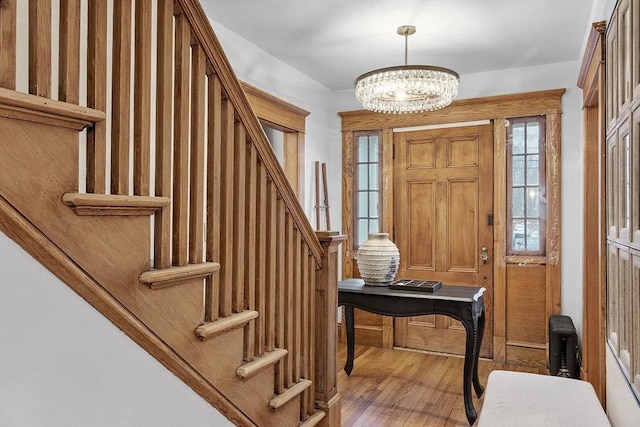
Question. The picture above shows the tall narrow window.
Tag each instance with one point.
(367, 218)
(526, 193)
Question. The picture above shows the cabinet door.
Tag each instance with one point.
(613, 301)
(625, 60)
(635, 50)
(635, 312)
(635, 176)
(612, 186)
(623, 174)
(612, 72)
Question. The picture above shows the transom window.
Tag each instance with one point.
(367, 218)
(526, 209)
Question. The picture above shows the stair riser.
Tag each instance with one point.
(253, 393)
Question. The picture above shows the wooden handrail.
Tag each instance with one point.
(204, 33)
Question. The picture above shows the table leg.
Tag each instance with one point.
(480, 322)
(349, 323)
(470, 368)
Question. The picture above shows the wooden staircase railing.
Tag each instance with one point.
(224, 216)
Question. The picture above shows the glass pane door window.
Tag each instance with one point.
(367, 215)
(526, 209)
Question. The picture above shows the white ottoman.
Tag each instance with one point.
(531, 400)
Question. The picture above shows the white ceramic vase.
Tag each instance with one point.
(378, 260)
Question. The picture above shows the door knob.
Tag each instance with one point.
(484, 256)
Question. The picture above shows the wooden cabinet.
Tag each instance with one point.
(623, 188)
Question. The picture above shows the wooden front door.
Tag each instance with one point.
(443, 201)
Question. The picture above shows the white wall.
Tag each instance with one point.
(623, 409)
(63, 364)
(323, 139)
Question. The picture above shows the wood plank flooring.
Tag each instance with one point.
(394, 388)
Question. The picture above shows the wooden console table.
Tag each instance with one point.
(463, 303)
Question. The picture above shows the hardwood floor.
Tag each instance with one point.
(389, 387)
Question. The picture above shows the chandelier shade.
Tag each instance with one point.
(407, 88)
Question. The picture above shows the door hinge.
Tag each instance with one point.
(490, 219)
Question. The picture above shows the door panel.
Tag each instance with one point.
(421, 254)
(462, 221)
(443, 193)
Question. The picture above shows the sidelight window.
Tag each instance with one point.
(367, 215)
(526, 209)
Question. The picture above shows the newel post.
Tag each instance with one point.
(326, 303)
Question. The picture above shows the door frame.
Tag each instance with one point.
(592, 82)
(495, 108)
(289, 119)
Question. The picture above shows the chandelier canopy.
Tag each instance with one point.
(407, 88)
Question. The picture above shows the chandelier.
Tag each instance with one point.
(407, 88)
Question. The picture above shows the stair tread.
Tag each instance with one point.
(289, 394)
(114, 204)
(249, 369)
(217, 327)
(176, 275)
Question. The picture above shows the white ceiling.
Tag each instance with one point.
(334, 41)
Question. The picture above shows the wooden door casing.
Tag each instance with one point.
(496, 109)
(443, 199)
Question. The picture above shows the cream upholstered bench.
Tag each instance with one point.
(532, 400)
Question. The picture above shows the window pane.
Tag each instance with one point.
(533, 170)
(517, 238)
(363, 149)
(373, 148)
(533, 235)
(533, 201)
(363, 204)
(363, 177)
(517, 170)
(363, 230)
(525, 162)
(373, 176)
(533, 137)
(373, 204)
(366, 212)
(517, 205)
(517, 138)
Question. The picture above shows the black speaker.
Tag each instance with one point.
(564, 359)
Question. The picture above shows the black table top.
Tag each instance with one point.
(447, 292)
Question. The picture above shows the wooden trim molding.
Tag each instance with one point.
(281, 114)
(590, 52)
(462, 110)
(499, 243)
(497, 109)
(289, 119)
